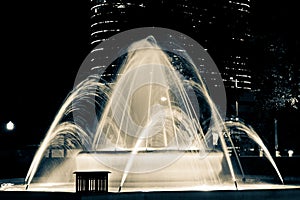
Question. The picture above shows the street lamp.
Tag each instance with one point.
(10, 126)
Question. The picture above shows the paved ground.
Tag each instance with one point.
(274, 194)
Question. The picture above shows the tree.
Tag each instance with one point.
(277, 81)
(279, 84)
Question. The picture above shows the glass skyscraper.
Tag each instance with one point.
(108, 17)
(220, 26)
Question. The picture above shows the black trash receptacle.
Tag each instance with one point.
(91, 181)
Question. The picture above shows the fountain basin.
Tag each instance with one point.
(154, 170)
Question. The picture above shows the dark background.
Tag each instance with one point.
(42, 47)
(43, 44)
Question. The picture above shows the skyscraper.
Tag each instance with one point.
(108, 17)
(237, 74)
(220, 26)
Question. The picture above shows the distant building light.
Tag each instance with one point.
(243, 10)
(180, 50)
(104, 31)
(247, 82)
(121, 6)
(243, 75)
(96, 41)
(103, 22)
(99, 5)
(98, 67)
(99, 49)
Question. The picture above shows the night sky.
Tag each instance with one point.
(43, 44)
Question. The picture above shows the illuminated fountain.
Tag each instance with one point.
(154, 127)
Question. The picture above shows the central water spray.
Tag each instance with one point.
(154, 107)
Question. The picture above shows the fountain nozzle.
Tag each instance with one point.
(236, 186)
(26, 186)
(120, 187)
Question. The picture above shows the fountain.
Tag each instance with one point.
(150, 113)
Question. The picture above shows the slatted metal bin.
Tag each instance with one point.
(91, 181)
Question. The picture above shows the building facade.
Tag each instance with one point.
(220, 26)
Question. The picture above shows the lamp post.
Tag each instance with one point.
(277, 153)
(236, 100)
